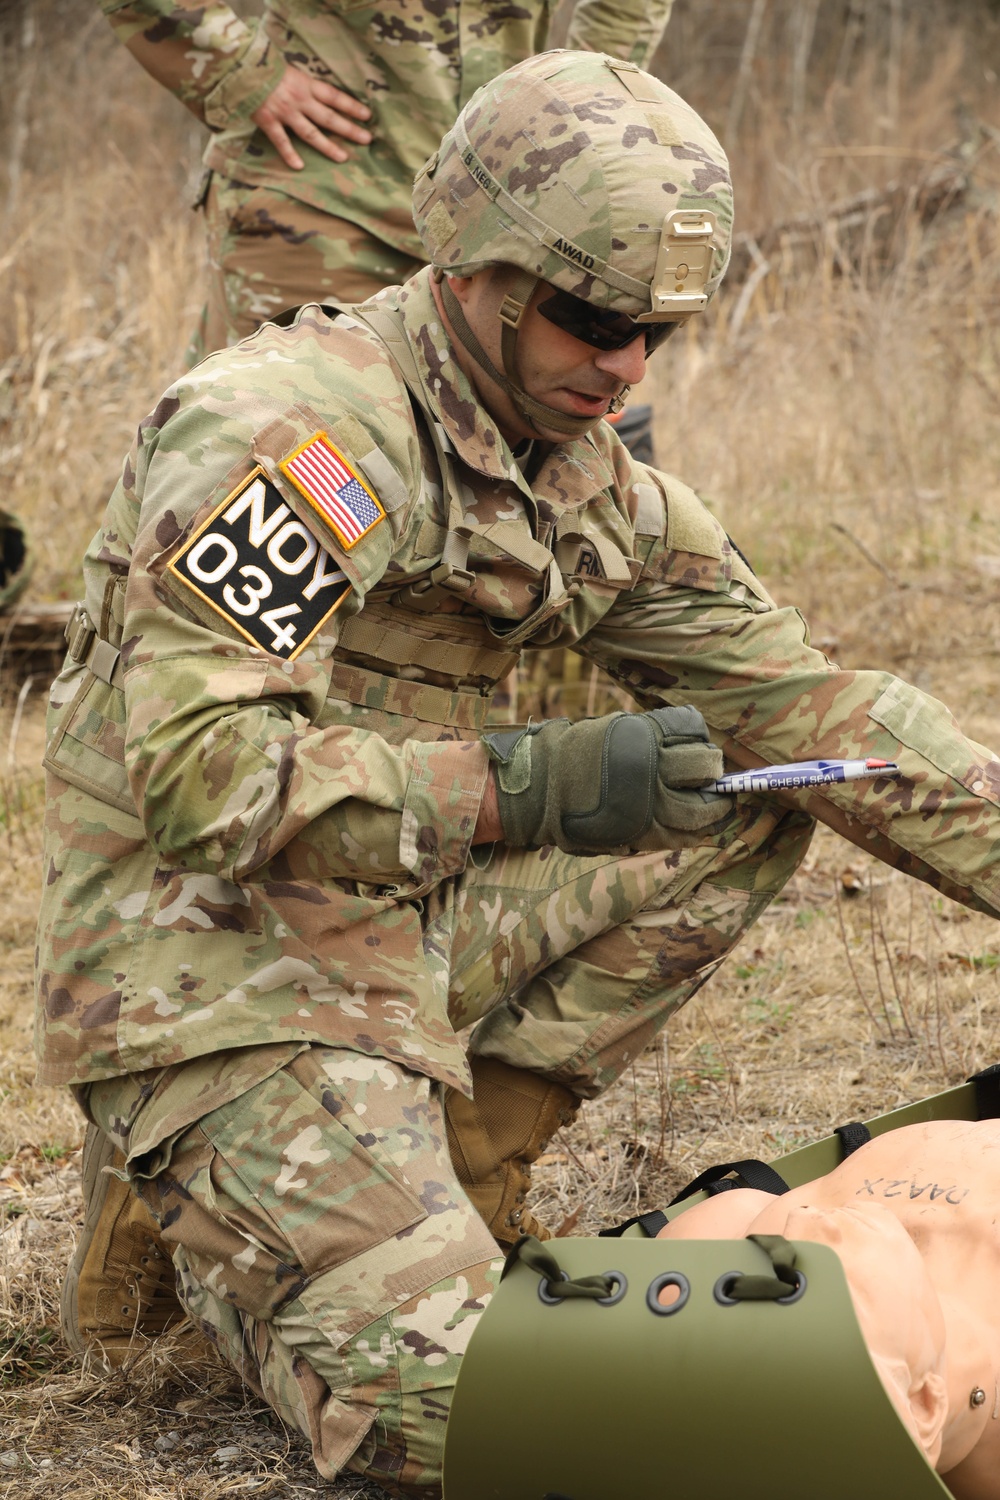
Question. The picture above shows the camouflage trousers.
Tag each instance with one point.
(318, 1230)
(268, 252)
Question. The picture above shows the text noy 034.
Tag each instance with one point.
(262, 569)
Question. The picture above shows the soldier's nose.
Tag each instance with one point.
(627, 364)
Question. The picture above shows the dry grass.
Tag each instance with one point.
(838, 409)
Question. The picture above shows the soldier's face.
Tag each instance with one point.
(552, 366)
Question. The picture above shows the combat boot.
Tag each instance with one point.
(120, 1281)
(495, 1140)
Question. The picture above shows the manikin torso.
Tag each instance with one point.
(913, 1216)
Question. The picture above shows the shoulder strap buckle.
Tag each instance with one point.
(79, 633)
(89, 649)
(447, 576)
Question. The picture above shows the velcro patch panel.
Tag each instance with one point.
(259, 567)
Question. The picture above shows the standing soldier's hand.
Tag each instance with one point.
(625, 781)
(312, 110)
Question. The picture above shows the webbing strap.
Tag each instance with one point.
(390, 331)
(785, 1282)
(650, 1224)
(853, 1136)
(461, 708)
(104, 660)
(400, 648)
(513, 538)
(650, 512)
(558, 1285)
(753, 1174)
(987, 1086)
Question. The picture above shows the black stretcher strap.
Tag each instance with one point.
(751, 1173)
(852, 1137)
(987, 1086)
(651, 1223)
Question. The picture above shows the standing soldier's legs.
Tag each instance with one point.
(571, 967)
(268, 252)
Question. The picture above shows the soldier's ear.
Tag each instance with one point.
(462, 286)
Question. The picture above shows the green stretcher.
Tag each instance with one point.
(579, 1384)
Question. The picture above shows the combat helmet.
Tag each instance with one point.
(582, 171)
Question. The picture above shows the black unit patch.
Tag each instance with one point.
(261, 569)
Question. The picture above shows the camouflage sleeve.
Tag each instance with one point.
(235, 756)
(699, 628)
(221, 67)
(629, 29)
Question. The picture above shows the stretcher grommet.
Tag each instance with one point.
(669, 1278)
(720, 1290)
(613, 1298)
(799, 1292)
(546, 1296)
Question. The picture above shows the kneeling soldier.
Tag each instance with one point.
(286, 862)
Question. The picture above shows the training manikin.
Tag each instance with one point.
(913, 1217)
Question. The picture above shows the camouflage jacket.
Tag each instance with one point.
(414, 65)
(313, 589)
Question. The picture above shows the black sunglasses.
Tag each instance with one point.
(599, 326)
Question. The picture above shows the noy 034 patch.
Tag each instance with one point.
(261, 569)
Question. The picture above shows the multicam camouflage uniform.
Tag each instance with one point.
(278, 237)
(262, 925)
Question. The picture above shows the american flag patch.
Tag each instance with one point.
(325, 477)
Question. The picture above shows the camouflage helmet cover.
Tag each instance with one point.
(568, 166)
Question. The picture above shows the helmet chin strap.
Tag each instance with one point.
(517, 287)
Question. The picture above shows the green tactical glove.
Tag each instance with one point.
(625, 781)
